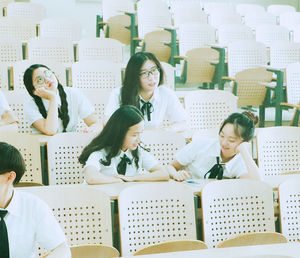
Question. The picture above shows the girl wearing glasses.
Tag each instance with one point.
(8, 121)
(227, 156)
(143, 89)
(115, 155)
(53, 108)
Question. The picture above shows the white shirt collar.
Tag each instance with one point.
(14, 206)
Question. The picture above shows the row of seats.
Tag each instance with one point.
(278, 152)
(147, 217)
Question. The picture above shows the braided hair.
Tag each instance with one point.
(62, 111)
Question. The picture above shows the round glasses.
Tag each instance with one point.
(41, 79)
(153, 71)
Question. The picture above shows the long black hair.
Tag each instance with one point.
(243, 124)
(132, 83)
(113, 134)
(63, 111)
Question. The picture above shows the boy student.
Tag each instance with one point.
(24, 218)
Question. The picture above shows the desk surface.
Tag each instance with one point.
(264, 251)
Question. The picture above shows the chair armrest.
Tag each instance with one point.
(227, 78)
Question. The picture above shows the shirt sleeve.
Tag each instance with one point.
(94, 159)
(113, 103)
(148, 161)
(3, 104)
(236, 167)
(175, 111)
(85, 108)
(48, 232)
(31, 112)
(188, 154)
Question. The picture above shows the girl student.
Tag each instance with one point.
(143, 89)
(227, 156)
(116, 155)
(53, 108)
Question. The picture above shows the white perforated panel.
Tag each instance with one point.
(148, 217)
(293, 82)
(208, 108)
(289, 199)
(233, 207)
(267, 34)
(10, 51)
(283, 53)
(230, 32)
(33, 11)
(278, 150)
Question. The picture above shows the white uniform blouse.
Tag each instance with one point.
(30, 220)
(165, 105)
(79, 107)
(146, 161)
(199, 157)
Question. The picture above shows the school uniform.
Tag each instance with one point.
(79, 107)
(30, 220)
(200, 156)
(163, 104)
(146, 161)
(3, 104)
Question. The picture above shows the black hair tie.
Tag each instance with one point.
(216, 171)
(147, 107)
(121, 168)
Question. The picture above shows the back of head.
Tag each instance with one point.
(243, 123)
(11, 160)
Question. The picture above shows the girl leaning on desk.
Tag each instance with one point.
(227, 156)
(116, 155)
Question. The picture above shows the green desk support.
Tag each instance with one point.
(99, 26)
(173, 45)
(133, 32)
(220, 68)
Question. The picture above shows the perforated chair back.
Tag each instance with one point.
(10, 51)
(169, 75)
(278, 150)
(210, 7)
(83, 213)
(296, 34)
(255, 19)
(172, 246)
(227, 33)
(98, 98)
(51, 49)
(244, 9)
(290, 19)
(267, 34)
(257, 238)
(16, 100)
(63, 152)
(100, 49)
(20, 67)
(244, 54)
(92, 251)
(29, 147)
(33, 11)
(293, 82)
(163, 145)
(283, 53)
(200, 66)
(250, 91)
(208, 108)
(111, 8)
(149, 216)
(233, 207)
(16, 28)
(3, 76)
(278, 9)
(195, 35)
(188, 11)
(289, 204)
(152, 15)
(3, 7)
(216, 19)
(60, 28)
(93, 74)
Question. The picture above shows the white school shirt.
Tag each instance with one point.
(30, 220)
(79, 107)
(165, 104)
(199, 157)
(3, 104)
(146, 161)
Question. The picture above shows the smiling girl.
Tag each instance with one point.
(143, 89)
(115, 155)
(200, 158)
(53, 108)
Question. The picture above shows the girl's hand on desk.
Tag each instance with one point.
(125, 178)
(181, 175)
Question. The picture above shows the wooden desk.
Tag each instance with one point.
(264, 251)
